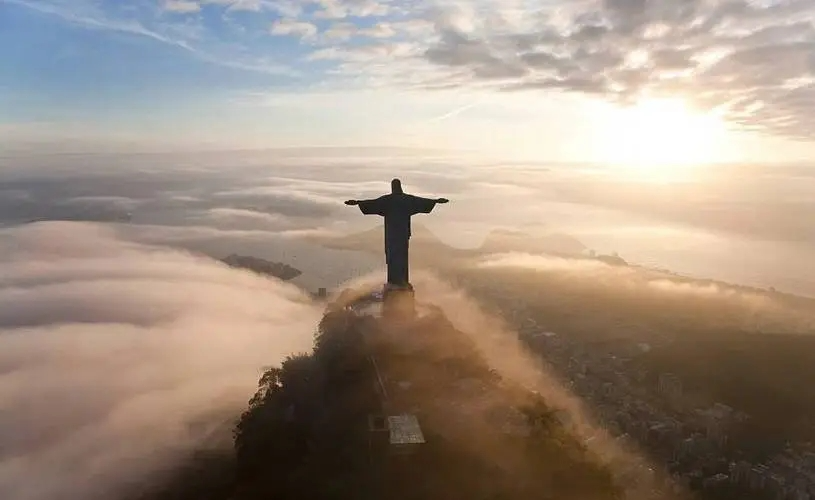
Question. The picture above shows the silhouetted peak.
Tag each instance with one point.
(613, 260)
(279, 270)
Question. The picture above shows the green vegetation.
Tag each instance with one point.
(278, 270)
(305, 434)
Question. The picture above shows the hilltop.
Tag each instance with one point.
(278, 270)
(311, 430)
(743, 347)
(318, 426)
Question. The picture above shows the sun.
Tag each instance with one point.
(659, 139)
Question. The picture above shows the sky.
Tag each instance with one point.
(611, 81)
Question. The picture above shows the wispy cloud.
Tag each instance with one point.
(752, 62)
(182, 6)
(81, 15)
(182, 35)
(454, 112)
(291, 27)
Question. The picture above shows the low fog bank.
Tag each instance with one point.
(502, 350)
(321, 267)
(117, 359)
(714, 309)
(741, 224)
(496, 340)
(648, 294)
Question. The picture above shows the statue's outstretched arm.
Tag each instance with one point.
(377, 206)
(425, 205)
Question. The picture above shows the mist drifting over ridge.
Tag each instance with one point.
(118, 354)
(117, 359)
(708, 304)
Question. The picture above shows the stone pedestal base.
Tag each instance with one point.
(398, 302)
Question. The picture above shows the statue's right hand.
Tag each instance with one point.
(352, 202)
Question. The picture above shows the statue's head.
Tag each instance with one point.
(396, 186)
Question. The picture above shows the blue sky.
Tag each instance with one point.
(554, 80)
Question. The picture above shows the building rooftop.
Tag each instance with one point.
(405, 429)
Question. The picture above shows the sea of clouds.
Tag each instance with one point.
(118, 359)
(124, 346)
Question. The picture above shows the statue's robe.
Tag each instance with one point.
(397, 209)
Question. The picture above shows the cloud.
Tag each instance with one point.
(339, 9)
(182, 6)
(748, 60)
(321, 267)
(344, 31)
(245, 5)
(122, 202)
(378, 53)
(118, 359)
(86, 15)
(235, 213)
(279, 200)
(500, 348)
(740, 224)
(340, 32)
(547, 263)
(379, 30)
(190, 36)
(290, 27)
(659, 293)
(751, 62)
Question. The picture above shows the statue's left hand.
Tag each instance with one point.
(352, 202)
(442, 200)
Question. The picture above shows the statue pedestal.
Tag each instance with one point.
(398, 302)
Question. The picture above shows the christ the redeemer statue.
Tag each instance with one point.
(397, 208)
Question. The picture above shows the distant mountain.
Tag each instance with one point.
(423, 243)
(276, 269)
(612, 260)
(509, 240)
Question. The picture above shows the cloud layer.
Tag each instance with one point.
(743, 224)
(711, 304)
(751, 61)
(117, 359)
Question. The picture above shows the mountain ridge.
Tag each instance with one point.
(425, 241)
(277, 270)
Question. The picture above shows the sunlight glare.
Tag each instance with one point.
(660, 139)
